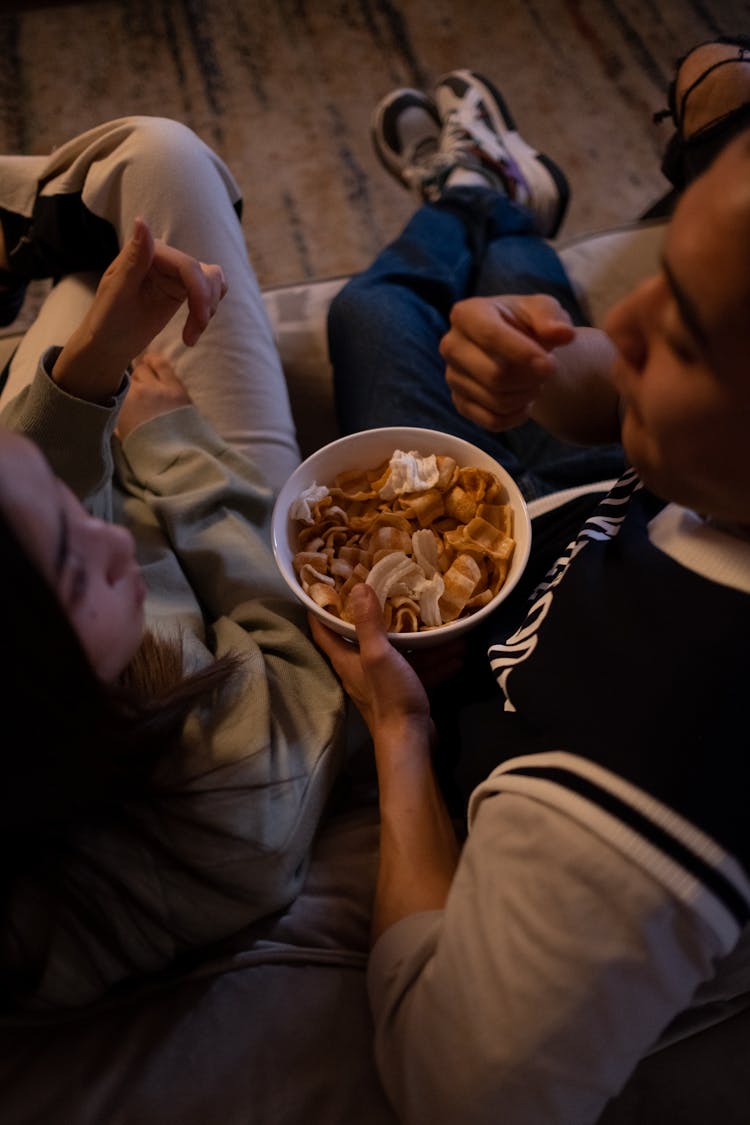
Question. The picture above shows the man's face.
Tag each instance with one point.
(683, 338)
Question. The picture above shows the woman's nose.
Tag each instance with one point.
(115, 547)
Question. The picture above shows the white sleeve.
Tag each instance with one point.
(553, 969)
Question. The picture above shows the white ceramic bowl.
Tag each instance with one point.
(368, 449)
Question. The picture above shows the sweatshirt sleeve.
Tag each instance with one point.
(554, 967)
(214, 507)
(225, 839)
(74, 435)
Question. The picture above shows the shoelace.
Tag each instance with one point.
(466, 137)
(466, 141)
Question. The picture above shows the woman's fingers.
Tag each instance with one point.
(155, 389)
(203, 300)
(183, 278)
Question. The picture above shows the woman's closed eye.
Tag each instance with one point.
(77, 581)
(69, 565)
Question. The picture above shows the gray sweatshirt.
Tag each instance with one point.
(230, 841)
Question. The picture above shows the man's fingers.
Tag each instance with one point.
(499, 352)
(492, 349)
(515, 329)
(495, 421)
(331, 643)
(463, 355)
(368, 622)
(540, 316)
(498, 393)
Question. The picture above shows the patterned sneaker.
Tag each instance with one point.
(406, 134)
(480, 135)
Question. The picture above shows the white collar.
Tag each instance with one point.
(702, 547)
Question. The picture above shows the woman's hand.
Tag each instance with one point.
(144, 287)
(498, 354)
(137, 296)
(380, 681)
(154, 390)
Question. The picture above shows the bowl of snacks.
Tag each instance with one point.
(434, 524)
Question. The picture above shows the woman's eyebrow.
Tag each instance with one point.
(687, 309)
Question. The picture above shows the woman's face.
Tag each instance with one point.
(90, 564)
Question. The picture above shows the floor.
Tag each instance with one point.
(284, 91)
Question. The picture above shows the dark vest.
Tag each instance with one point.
(637, 663)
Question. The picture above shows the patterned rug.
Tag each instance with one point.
(284, 91)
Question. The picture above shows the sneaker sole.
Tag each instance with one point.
(504, 124)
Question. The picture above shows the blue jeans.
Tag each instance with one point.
(386, 323)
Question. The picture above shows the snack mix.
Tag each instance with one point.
(433, 540)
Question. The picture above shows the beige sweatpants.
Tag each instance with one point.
(160, 170)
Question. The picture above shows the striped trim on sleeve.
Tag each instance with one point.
(686, 861)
